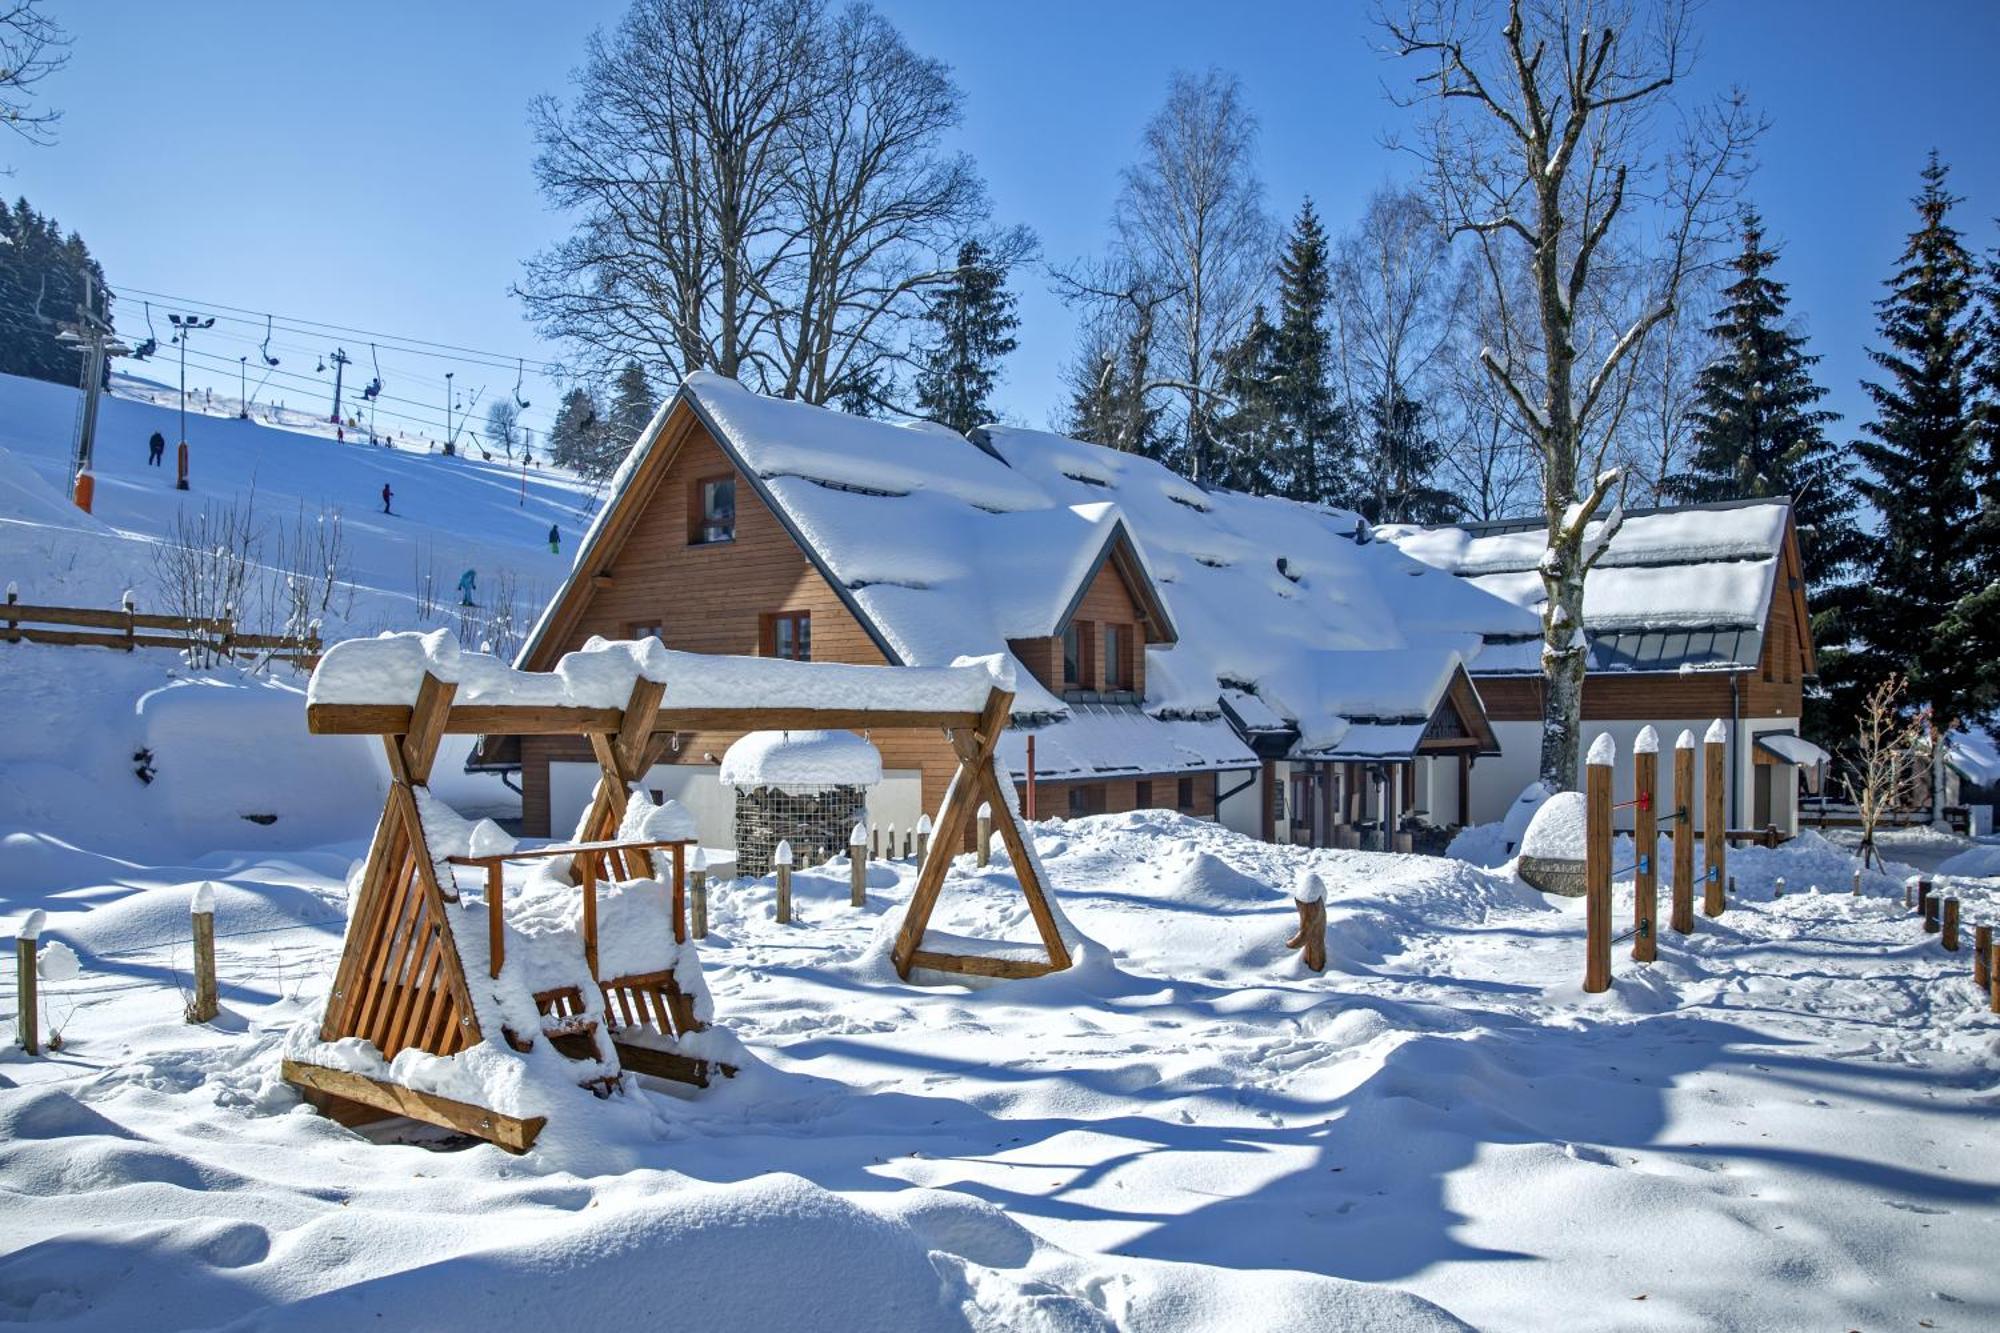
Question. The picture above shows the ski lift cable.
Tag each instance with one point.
(432, 422)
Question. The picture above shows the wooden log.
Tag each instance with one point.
(1982, 956)
(587, 866)
(1683, 889)
(206, 1003)
(27, 1009)
(857, 870)
(1993, 977)
(979, 965)
(781, 861)
(1645, 832)
(512, 1133)
(698, 894)
(1715, 846)
(983, 848)
(1597, 874)
(1950, 925)
(1312, 932)
(1931, 923)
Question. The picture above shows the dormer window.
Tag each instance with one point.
(712, 511)
(1072, 640)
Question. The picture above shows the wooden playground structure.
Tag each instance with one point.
(403, 981)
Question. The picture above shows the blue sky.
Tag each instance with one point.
(368, 164)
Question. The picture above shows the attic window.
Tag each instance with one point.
(712, 510)
(1195, 505)
(1088, 481)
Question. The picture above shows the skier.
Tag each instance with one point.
(387, 495)
(156, 449)
(467, 585)
(555, 540)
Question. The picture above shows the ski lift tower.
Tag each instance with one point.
(92, 337)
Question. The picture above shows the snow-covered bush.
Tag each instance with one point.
(1556, 833)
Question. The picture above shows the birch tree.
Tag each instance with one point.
(1555, 137)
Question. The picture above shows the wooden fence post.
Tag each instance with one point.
(1951, 925)
(1597, 864)
(1646, 835)
(874, 841)
(698, 894)
(27, 1019)
(1309, 896)
(1856, 891)
(1932, 901)
(1982, 956)
(1777, 888)
(1683, 908)
(985, 836)
(1993, 977)
(889, 843)
(782, 860)
(1715, 842)
(923, 838)
(205, 1005)
(857, 868)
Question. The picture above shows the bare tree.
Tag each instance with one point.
(1543, 143)
(32, 47)
(1882, 776)
(761, 191)
(503, 425)
(1660, 423)
(203, 568)
(1191, 224)
(308, 580)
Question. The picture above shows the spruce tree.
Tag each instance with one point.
(1922, 451)
(41, 284)
(577, 438)
(1109, 404)
(1317, 448)
(1403, 453)
(1759, 432)
(632, 408)
(973, 323)
(1250, 435)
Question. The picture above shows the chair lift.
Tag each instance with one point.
(152, 343)
(264, 348)
(375, 385)
(519, 371)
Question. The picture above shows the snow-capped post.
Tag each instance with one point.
(204, 1006)
(923, 837)
(698, 894)
(128, 605)
(1982, 956)
(1309, 896)
(1715, 824)
(1646, 836)
(889, 842)
(874, 841)
(1931, 902)
(1597, 863)
(1683, 891)
(13, 623)
(1924, 895)
(1950, 925)
(1777, 887)
(984, 848)
(781, 861)
(27, 1020)
(857, 868)
(1855, 892)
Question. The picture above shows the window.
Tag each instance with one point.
(1143, 797)
(712, 511)
(1072, 655)
(645, 631)
(788, 634)
(1118, 644)
(1086, 798)
(1186, 794)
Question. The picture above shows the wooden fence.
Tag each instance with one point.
(128, 628)
(1940, 916)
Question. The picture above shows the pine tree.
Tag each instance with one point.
(973, 321)
(41, 284)
(1759, 432)
(1922, 451)
(1251, 440)
(1403, 452)
(1317, 447)
(577, 439)
(632, 407)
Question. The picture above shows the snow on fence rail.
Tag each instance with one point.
(121, 628)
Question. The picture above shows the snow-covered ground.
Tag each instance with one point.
(1786, 1122)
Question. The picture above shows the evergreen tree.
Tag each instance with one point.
(41, 284)
(577, 439)
(1109, 403)
(1403, 453)
(1922, 451)
(1317, 446)
(973, 322)
(1758, 431)
(632, 407)
(1251, 439)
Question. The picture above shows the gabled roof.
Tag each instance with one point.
(1687, 586)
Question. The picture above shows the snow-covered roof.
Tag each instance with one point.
(1687, 586)
(944, 545)
(1110, 740)
(801, 760)
(1793, 749)
(1975, 755)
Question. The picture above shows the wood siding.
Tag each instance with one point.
(1107, 601)
(1122, 794)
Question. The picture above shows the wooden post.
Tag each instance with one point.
(874, 842)
(698, 893)
(1932, 902)
(1646, 834)
(923, 838)
(889, 843)
(496, 940)
(857, 871)
(984, 836)
(587, 865)
(1715, 823)
(1309, 896)
(1855, 892)
(1924, 896)
(1683, 892)
(205, 1005)
(1597, 865)
(1028, 804)
(1993, 977)
(781, 861)
(27, 1019)
(1982, 956)
(1777, 887)
(1950, 925)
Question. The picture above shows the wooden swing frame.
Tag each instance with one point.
(401, 981)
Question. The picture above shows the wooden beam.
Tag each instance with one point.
(979, 965)
(1024, 868)
(427, 719)
(638, 728)
(559, 720)
(512, 1133)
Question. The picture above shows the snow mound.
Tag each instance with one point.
(1977, 862)
(801, 761)
(1522, 813)
(1556, 833)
